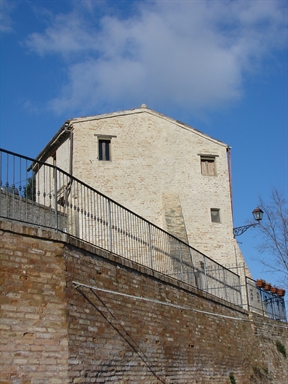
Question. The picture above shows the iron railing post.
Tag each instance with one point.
(240, 290)
(150, 246)
(225, 286)
(181, 262)
(247, 295)
(55, 199)
(110, 226)
(205, 274)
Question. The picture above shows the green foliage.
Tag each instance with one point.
(29, 191)
(281, 348)
(260, 375)
(265, 370)
(257, 371)
(232, 378)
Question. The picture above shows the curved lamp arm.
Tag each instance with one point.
(239, 230)
(258, 216)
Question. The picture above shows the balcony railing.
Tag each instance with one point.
(41, 194)
(264, 302)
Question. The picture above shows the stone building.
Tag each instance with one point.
(164, 170)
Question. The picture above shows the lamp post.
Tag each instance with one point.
(258, 216)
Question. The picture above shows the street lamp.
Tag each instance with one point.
(258, 216)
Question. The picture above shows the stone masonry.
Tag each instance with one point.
(153, 170)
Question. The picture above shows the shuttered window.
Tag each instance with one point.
(208, 166)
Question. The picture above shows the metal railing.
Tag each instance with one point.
(265, 302)
(44, 195)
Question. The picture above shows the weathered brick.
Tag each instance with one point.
(62, 337)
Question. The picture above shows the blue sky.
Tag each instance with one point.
(219, 66)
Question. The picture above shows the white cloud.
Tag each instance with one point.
(5, 15)
(187, 54)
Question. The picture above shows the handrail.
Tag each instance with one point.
(264, 302)
(52, 198)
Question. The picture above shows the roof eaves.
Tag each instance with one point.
(143, 109)
(56, 140)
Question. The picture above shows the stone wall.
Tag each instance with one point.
(71, 313)
(21, 209)
(155, 167)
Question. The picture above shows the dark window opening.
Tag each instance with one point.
(54, 159)
(104, 150)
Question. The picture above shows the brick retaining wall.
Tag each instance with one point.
(136, 326)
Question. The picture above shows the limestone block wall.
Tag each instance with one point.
(133, 325)
(155, 168)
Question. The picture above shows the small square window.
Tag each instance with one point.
(208, 166)
(104, 150)
(215, 215)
